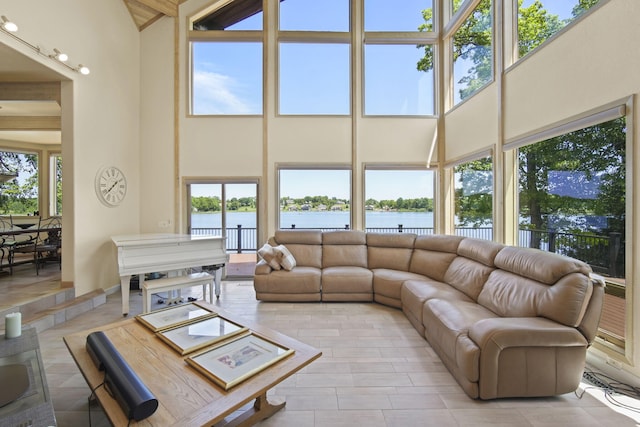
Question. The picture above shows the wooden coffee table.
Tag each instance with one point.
(186, 397)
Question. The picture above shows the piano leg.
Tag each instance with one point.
(124, 290)
(217, 276)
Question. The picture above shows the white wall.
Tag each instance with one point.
(104, 125)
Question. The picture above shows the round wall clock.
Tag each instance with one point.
(111, 186)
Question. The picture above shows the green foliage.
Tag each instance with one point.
(19, 196)
(206, 204)
(474, 199)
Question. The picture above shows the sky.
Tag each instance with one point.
(321, 73)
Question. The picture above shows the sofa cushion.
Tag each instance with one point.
(347, 280)
(284, 257)
(344, 248)
(432, 264)
(414, 293)
(300, 280)
(304, 245)
(388, 283)
(482, 251)
(536, 283)
(467, 276)
(267, 253)
(447, 322)
(390, 251)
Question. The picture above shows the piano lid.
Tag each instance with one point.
(159, 238)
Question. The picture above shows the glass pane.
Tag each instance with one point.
(19, 193)
(399, 200)
(474, 199)
(227, 78)
(540, 19)
(236, 15)
(407, 15)
(315, 198)
(473, 53)
(572, 201)
(393, 84)
(314, 78)
(314, 15)
(206, 209)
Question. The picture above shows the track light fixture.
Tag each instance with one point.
(8, 25)
(60, 57)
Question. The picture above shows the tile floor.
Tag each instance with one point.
(375, 370)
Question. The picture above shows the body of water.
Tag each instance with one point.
(316, 219)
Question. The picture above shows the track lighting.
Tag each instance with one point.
(9, 28)
(8, 25)
(60, 56)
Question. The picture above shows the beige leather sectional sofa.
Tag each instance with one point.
(506, 321)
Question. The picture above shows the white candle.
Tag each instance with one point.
(13, 325)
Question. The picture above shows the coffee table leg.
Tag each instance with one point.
(262, 409)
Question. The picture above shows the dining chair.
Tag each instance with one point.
(46, 244)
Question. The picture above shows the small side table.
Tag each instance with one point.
(34, 407)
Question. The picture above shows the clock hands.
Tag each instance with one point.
(113, 185)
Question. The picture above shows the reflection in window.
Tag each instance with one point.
(473, 53)
(572, 201)
(538, 20)
(407, 15)
(315, 198)
(314, 15)
(227, 78)
(314, 78)
(392, 83)
(19, 195)
(474, 199)
(399, 200)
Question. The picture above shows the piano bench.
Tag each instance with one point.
(167, 284)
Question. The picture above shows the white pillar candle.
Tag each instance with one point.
(13, 325)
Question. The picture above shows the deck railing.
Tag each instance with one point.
(605, 254)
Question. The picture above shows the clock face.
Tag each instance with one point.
(111, 186)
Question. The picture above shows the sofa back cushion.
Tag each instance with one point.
(305, 246)
(531, 282)
(433, 254)
(467, 276)
(390, 251)
(344, 248)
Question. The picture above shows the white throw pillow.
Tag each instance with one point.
(268, 254)
(284, 257)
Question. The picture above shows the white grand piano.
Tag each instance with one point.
(150, 253)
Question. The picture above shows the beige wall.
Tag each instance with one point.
(100, 123)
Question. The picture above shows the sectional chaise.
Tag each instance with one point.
(506, 321)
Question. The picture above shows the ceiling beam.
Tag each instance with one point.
(167, 7)
(30, 123)
(30, 91)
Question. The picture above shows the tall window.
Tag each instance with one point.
(314, 57)
(315, 198)
(19, 193)
(538, 20)
(226, 60)
(474, 199)
(398, 200)
(314, 78)
(398, 73)
(473, 52)
(572, 201)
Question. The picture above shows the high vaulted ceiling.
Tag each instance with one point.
(146, 12)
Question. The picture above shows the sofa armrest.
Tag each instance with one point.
(496, 334)
(528, 356)
(262, 268)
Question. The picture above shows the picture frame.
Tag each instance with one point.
(233, 361)
(171, 317)
(196, 335)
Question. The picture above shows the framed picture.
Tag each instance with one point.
(196, 335)
(174, 316)
(231, 362)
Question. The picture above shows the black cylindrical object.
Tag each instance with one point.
(132, 395)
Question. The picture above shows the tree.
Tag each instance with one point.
(19, 195)
(474, 197)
